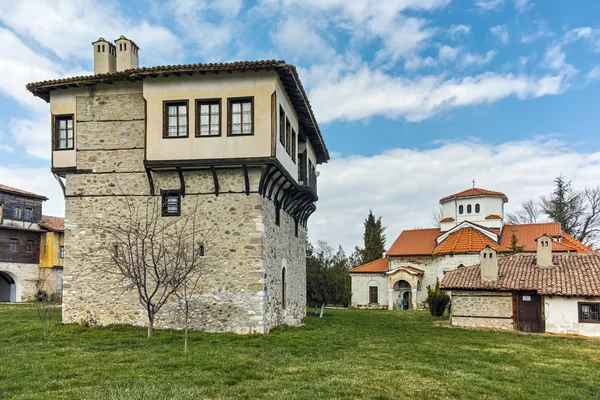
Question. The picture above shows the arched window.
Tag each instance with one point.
(283, 290)
(461, 209)
(477, 208)
(469, 209)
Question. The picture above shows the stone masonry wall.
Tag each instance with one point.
(482, 309)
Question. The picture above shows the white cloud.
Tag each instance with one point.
(591, 35)
(523, 5)
(447, 53)
(364, 93)
(297, 37)
(415, 63)
(501, 33)
(36, 180)
(33, 134)
(488, 5)
(555, 59)
(469, 59)
(404, 185)
(457, 30)
(594, 73)
(540, 31)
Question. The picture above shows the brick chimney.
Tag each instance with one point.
(127, 54)
(544, 251)
(488, 262)
(105, 56)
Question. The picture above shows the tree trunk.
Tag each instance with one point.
(150, 326)
(185, 334)
(322, 307)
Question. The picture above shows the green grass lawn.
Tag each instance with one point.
(348, 354)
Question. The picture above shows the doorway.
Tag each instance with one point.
(8, 288)
(528, 312)
(402, 295)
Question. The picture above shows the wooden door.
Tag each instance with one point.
(528, 316)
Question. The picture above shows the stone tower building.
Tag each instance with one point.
(239, 138)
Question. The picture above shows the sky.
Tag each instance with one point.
(415, 98)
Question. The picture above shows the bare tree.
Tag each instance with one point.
(47, 306)
(436, 216)
(530, 213)
(151, 254)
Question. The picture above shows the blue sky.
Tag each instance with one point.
(415, 98)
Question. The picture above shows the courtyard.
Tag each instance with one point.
(347, 354)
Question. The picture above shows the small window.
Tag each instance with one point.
(62, 251)
(208, 117)
(17, 212)
(294, 146)
(201, 250)
(241, 116)
(28, 214)
(288, 135)
(477, 208)
(14, 244)
(469, 209)
(589, 312)
(124, 46)
(373, 294)
(29, 246)
(175, 119)
(296, 227)
(63, 132)
(171, 203)
(283, 290)
(282, 126)
(277, 214)
(461, 209)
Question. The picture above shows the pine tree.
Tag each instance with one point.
(514, 244)
(374, 239)
(564, 205)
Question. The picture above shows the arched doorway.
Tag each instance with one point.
(402, 295)
(8, 288)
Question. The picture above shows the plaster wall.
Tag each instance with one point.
(280, 151)
(562, 316)
(488, 206)
(25, 277)
(360, 289)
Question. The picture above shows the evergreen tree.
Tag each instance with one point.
(374, 239)
(564, 205)
(514, 244)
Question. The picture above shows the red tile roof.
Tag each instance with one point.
(493, 216)
(573, 274)
(9, 189)
(570, 241)
(53, 223)
(377, 266)
(467, 240)
(447, 219)
(417, 242)
(474, 192)
(527, 233)
(412, 269)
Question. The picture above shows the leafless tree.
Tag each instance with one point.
(151, 254)
(530, 213)
(47, 306)
(436, 216)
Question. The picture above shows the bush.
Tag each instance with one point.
(437, 299)
(41, 295)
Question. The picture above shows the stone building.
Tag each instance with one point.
(541, 292)
(239, 138)
(472, 219)
(31, 246)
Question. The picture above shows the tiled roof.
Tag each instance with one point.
(377, 266)
(570, 241)
(412, 269)
(473, 192)
(573, 274)
(53, 223)
(287, 73)
(527, 233)
(447, 219)
(493, 216)
(467, 240)
(9, 189)
(415, 242)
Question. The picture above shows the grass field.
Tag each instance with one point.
(346, 355)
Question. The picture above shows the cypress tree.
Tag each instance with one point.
(374, 239)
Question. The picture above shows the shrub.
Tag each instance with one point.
(437, 299)
(41, 295)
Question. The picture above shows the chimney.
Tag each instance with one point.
(127, 54)
(544, 251)
(105, 56)
(488, 261)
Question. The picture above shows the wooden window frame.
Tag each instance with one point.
(375, 293)
(30, 218)
(29, 246)
(166, 104)
(164, 207)
(294, 150)
(62, 252)
(282, 119)
(288, 135)
(14, 241)
(209, 102)
(235, 100)
(15, 216)
(55, 136)
(579, 311)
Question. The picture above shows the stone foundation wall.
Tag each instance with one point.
(482, 309)
(25, 276)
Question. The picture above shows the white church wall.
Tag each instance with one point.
(360, 289)
(562, 316)
(487, 206)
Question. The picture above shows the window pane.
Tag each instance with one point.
(236, 128)
(204, 130)
(69, 143)
(62, 134)
(172, 131)
(214, 108)
(204, 109)
(247, 118)
(236, 118)
(172, 121)
(182, 110)
(62, 124)
(214, 130)
(182, 120)
(172, 110)
(70, 123)
(183, 130)
(214, 119)
(246, 106)
(247, 128)
(236, 107)
(204, 120)
(70, 133)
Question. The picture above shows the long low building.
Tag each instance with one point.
(541, 292)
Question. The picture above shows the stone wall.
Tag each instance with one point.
(25, 276)
(482, 309)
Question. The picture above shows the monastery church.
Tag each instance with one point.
(472, 220)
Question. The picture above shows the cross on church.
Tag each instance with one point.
(473, 183)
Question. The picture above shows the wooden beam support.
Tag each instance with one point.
(246, 179)
(275, 182)
(150, 181)
(181, 181)
(215, 179)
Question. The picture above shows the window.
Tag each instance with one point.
(461, 209)
(175, 119)
(29, 246)
(17, 212)
(469, 209)
(589, 312)
(171, 203)
(62, 251)
(63, 132)
(288, 135)
(28, 214)
(293, 145)
(241, 116)
(477, 208)
(296, 227)
(373, 294)
(208, 117)
(283, 290)
(277, 214)
(281, 126)
(14, 244)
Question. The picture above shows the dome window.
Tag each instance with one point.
(477, 208)
(461, 209)
(469, 209)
